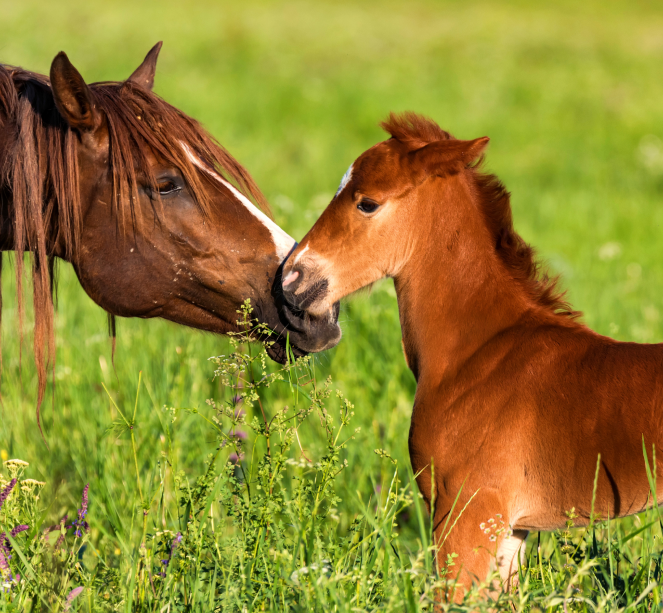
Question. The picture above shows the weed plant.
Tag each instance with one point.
(259, 528)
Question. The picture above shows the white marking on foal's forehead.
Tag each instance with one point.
(345, 180)
(282, 240)
(300, 254)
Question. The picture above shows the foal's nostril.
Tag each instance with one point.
(291, 277)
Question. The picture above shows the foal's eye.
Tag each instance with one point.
(167, 187)
(367, 206)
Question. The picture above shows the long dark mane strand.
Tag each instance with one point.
(39, 170)
(39, 178)
(518, 257)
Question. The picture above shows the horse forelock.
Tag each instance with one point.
(43, 157)
(140, 122)
(494, 200)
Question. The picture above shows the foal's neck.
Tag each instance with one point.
(454, 293)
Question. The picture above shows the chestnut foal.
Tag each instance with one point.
(515, 398)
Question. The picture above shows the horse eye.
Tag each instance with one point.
(167, 187)
(367, 206)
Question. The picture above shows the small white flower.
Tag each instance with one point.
(492, 537)
(482, 525)
(486, 531)
(16, 462)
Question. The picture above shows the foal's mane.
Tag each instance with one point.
(39, 175)
(518, 257)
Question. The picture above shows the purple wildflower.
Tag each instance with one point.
(4, 564)
(58, 543)
(63, 532)
(82, 512)
(240, 434)
(79, 523)
(176, 543)
(173, 546)
(5, 493)
(71, 597)
(5, 546)
(233, 458)
(19, 529)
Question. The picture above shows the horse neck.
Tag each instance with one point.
(454, 294)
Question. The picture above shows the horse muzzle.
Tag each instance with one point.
(308, 332)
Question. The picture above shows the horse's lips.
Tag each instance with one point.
(294, 322)
(277, 351)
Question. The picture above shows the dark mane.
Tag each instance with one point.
(39, 175)
(518, 257)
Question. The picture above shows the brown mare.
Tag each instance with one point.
(515, 398)
(150, 210)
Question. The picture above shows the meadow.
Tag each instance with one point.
(570, 95)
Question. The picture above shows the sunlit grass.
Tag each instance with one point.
(569, 93)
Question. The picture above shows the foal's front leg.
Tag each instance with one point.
(481, 539)
(511, 556)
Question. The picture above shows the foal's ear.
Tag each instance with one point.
(72, 96)
(144, 74)
(446, 156)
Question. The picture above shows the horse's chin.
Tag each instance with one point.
(310, 333)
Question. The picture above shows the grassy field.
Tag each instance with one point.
(572, 97)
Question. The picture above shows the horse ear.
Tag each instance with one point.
(72, 96)
(144, 74)
(447, 155)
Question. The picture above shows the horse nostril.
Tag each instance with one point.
(290, 278)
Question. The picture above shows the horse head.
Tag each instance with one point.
(156, 217)
(383, 202)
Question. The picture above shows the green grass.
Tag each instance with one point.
(569, 93)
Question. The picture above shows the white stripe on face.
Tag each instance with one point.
(344, 181)
(300, 254)
(282, 240)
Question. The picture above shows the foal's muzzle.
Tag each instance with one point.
(303, 299)
(308, 332)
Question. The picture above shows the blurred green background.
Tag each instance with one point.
(570, 93)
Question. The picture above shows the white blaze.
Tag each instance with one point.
(344, 181)
(282, 240)
(300, 254)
